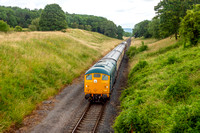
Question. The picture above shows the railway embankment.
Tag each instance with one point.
(163, 93)
(35, 66)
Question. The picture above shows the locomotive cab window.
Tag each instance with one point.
(97, 75)
(89, 77)
(104, 77)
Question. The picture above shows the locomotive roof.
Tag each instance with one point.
(104, 66)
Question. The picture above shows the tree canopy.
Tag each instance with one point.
(52, 18)
(141, 29)
(190, 26)
(95, 23)
(16, 16)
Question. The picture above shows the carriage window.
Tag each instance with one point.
(89, 77)
(104, 77)
(97, 75)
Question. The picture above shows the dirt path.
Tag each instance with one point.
(61, 111)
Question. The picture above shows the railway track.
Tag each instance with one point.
(90, 118)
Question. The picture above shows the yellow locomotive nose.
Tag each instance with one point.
(97, 84)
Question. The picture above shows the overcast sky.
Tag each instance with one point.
(126, 13)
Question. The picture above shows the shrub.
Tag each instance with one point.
(18, 28)
(132, 51)
(132, 120)
(139, 66)
(32, 27)
(171, 60)
(4, 26)
(179, 89)
(187, 119)
(63, 30)
(142, 47)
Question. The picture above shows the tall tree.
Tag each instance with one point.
(153, 28)
(190, 26)
(120, 32)
(141, 29)
(52, 18)
(170, 13)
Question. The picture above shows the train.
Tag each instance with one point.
(100, 78)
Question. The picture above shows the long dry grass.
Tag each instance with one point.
(35, 65)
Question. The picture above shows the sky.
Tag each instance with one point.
(126, 13)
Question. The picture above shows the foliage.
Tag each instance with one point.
(153, 28)
(16, 16)
(18, 28)
(4, 26)
(142, 47)
(132, 51)
(141, 29)
(52, 18)
(120, 32)
(190, 26)
(179, 89)
(34, 25)
(170, 12)
(163, 94)
(94, 23)
(127, 34)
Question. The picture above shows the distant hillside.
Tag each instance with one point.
(128, 30)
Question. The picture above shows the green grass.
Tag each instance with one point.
(163, 93)
(36, 66)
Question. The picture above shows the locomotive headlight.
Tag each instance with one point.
(86, 86)
(106, 86)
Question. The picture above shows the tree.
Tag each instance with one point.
(141, 29)
(190, 26)
(4, 26)
(170, 13)
(120, 32)
(153, 28)
(52, 18)
(35, 24)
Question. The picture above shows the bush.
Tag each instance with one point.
(171, 60)
(4, 26)
(18, 28)
(132, 120)
(187, 119)
(179, 89)
(139, 66)
(63, 30)
(142, 47)
(32, 27)
(132, 51)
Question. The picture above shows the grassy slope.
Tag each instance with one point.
(164, 91)
(35, 65)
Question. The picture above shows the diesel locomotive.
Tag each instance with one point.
(100, 78)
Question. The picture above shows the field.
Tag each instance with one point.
(36, 65)
(163, 89)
